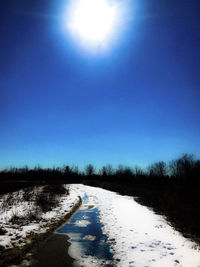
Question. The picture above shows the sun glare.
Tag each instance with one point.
(92, 21)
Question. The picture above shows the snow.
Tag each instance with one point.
(13, 204)
(137, 236)
(89, 237)
(82, 223)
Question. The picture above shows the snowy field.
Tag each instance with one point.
(137, 236)
(20, 216)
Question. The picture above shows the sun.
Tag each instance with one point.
(92, 21)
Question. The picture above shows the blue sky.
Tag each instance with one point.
(136, 103)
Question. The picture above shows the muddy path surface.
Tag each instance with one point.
(53, 252)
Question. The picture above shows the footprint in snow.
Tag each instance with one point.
(157, 243)
(170, 248)
(133, 247)
(151, 246)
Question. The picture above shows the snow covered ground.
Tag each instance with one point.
(137, 236)
(17, 215)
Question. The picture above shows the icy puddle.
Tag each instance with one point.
(88, 243)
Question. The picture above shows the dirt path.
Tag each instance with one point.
(53, 252)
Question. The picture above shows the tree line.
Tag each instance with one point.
(184, 169)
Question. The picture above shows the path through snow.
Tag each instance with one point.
(137, 236)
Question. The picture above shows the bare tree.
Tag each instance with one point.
(182, 167)
(138, 171)
(158, 169)
(120, 170)
(67, 170)
(107, 170)
(89, 170)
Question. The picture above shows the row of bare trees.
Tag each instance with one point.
(182, 167)
(185, 167)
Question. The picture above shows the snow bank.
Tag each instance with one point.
(15, 231)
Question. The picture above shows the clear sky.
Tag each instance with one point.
(136, 102)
